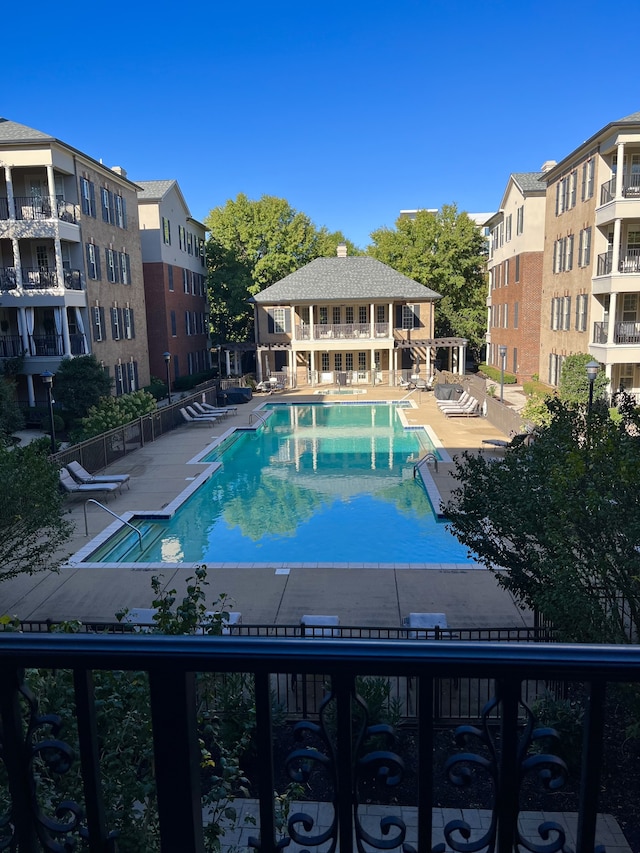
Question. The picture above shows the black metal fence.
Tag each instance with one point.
(343, 745)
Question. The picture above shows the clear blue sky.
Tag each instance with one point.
(349, 110)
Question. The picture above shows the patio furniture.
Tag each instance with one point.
(86, 489)
(201, 421)
(83, 476)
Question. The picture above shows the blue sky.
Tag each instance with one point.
(349, 110)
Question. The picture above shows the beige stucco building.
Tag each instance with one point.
(70, 262)
(591, 273)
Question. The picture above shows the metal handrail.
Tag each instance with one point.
(258, 415)
(428, 457)
(114, 514)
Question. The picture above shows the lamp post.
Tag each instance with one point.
(167, 360)
(503, 355)
(47, 378)
(592, 369)
(219, 348)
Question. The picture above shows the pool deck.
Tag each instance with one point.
(361, 595)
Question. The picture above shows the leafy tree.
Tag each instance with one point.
(112, 412)
(79, 384)
(558, 520)
(32, 526)
(443, 251)
(252, 245)
(11, 418)
(573, 387)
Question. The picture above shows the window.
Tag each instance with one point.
(187, 322)
(129, 327)
(97, 323)
(112, 266)
(555, 313)
(116, 323)
(324, 362)
(516, 311)
(408, 317)
(581, 312)
(174, 332)
(185, 281)
(517, 272)
(515, 359)
(507, 229)
(584, 247)
(119, 377)
(121, 211)
(93, 261)
(348, 361)
(380, 314)
(362, 361)
(279, 321)
(566, 313)
(506, 272)
(166, 231)
(520, 220)
(106, 203)
(362, 314)
(505, 316)
(132, 375)
(629, 307)
(323, 315)
(181, 237)
(336, 315)
(348, 314)
(573, 183)
(193, 283)
(170, 275)
(189, 243)
(337, 361)
(588, 173)
(568, 256)
(88, 197)
(125, 268)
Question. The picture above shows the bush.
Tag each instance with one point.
(158, 389)
(185, 383)
(113, 412)
(534, 386)
(495, 374)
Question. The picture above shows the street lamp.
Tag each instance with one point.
(592, 368)
(47, 378)
(503, 356)
(167, 359)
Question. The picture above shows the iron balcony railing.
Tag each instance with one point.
(630, 188)
(604, 263)
(625, 332)
(29, 208)
(600, 333)
(8, 278)
(629, 262)
(342, 745)
(11, 346)
(34, 278)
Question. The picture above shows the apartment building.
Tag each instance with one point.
(173, 254)
(70, 262)
(348, 320)
(514, 270)
(591, 271)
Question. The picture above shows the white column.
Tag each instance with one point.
(611, 326)
(461, 359)
(312, 333)
(312, 365)
(9, 180)
(227, 360)
(372, 319)
(66, 340)
(259, 364)
(17, 263)
(619, 170)
(390, 330)
(292, 367)
(615, 255)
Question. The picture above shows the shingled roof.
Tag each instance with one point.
(344, 279)
(154, 190)
(530, 181)
(11, 131)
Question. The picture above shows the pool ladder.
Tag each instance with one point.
(428, 457)
(114, 514)
(260, 416)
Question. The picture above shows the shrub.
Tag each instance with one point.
(534, 386)
(185, 383)
(158, 389)
(112, 412)
(495, 374)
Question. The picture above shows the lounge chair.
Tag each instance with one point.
(469, 410)
(83, 476)
(211, 413)
(516, 440)
(199, 415)
(447, 404)
(209, 408)
(201, 421)
(71, 487)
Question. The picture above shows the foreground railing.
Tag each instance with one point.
(343, 745)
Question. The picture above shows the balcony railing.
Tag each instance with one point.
(346, 331)
(342, 744)
(600, 333)
(629, 262)
(47, 345)
(39, 279)
(625, 332)
(604, 264)
(8, 278)
(43, 207)
(630, 188)
(11, 346)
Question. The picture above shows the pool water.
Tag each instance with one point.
(317, 483)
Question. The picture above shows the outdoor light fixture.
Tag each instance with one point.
(47, 378)
(167, 360)
(592, 368)
(503, 355)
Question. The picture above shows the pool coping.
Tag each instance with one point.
(79, 558)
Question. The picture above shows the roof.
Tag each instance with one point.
(11, 131)
(154, 190)
(343, 279)
(530, 182)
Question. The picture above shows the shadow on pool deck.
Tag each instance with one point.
(359, 596)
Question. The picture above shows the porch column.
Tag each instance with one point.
(372, 319)
(390, 331)
(30, 392)
(17, 263)
(611, 325)
(291, 359)
(455, 367)
(312, 365)
(24, 333)
(312, 332)
(619, 174)
(462, 358)
(259, 364)
(9, 181)
(427, 363)
(66, 340)
(227, 362)
(615, 255)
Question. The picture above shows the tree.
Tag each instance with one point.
(252, 245)
(79, 384)
(11, 418)
(32, 526)
(573, 387)
(558, 520)
(443, 251)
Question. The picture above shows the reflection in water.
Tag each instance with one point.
(317, 483)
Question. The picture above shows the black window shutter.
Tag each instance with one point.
(128, 262)
(124, 223)
(94, 327)
(114, 314)
(398, 316)
(135, 373)
(120, 322)
(104, 328)
(287, 319)
(112, 214)
(104, 204)
(133, 328)
(92, 196)
(98, 270)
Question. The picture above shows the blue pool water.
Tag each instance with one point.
(317, 483)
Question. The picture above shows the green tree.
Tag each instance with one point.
(573, 387)
(443, 251)
(252, 245)
(32, 526)
(11, 418)
(112, 412)
(79, 384)
(558, 520)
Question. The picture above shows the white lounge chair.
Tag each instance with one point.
(83, 476)
(469, 410)
(446, 404)
(87, 489)
(209, 408)
(212, 413)
(201, 421)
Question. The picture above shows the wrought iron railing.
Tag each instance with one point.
(38, 279)
(46, 345)
(8, 278)
(43, 207)
(11, 346)
(604, 263)
(72, 279)
(4, 208)
(630, 261)
(607, 191)
(600, 333)
(506, 749)
(627, 332)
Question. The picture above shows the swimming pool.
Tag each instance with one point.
(316, 483)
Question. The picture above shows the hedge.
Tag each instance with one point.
(495, 373)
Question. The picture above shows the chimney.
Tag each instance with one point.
(119, 171)
(548, 165)
(342, 250)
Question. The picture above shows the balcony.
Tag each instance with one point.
(504, 747)
(341, 331)
(34, 278)
(625, 332)
(626, 207)
(38, 208)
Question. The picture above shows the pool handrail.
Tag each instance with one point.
(428, 457)
(114, 514)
